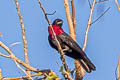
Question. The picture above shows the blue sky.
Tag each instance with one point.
(103, 38)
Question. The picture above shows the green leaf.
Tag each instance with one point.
(40, 73)
(61, 69)
(53, 76)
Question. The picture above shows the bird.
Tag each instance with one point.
(68, 45)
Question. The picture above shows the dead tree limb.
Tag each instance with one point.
(58, 44)
(88, 26)
(23, 35)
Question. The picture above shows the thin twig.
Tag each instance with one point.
(100, 16)
(88, 26)
(117, 5)
(101, 1)
(89, 3)
(23, 35)
(4, 55)
(23, 77)
(23, 70)
(51, 13)
(58, 44)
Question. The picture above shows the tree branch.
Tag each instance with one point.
(80, 72)
(58, 44)
(88, 26)
(70, 24)
(12, 56)
(79, 69)
(18, 60)
(23, 70)
(23, 35)
(117, 5)
(23, 77)
(101, 1)
(73, 18)
(89, 3)
(100, 16)
(4, 55)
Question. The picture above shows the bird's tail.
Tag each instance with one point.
(87, 65)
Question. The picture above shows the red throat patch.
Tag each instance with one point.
(56, 29)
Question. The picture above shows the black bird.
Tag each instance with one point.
(69, 46)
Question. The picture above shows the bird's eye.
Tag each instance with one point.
(60, 22)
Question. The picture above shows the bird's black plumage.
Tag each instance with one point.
(72, 49)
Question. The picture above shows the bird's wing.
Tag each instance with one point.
(66, 39)
(53, 42)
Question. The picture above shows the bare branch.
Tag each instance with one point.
(85, 41)
(100, 16)
(88, 26)
(73, 18)
(12, 56)
(72, 29)
(16, 59)
(4, 55)
(89, 3)
(59, 46)
(101, 1)
(51, 14)
(23, 77)
(23, 35)
(70, 24)
(23, 70)
(117, 5)
(80, 71)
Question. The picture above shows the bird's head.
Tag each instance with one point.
(58, 22)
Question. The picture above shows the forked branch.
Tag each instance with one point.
(88, 26)
(12, 56)
(100, 16)
(72, 29)
(23, 70)
(23, 34)
(23, 77)
(59, 46)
